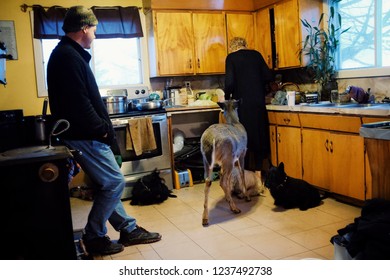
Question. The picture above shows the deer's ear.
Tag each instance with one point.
(236, 103)
(222, 105)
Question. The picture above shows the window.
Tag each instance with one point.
(119, 52)
(365, 48)
(115, 62)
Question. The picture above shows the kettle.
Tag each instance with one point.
(40, 124)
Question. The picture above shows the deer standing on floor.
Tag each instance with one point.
(224, 144)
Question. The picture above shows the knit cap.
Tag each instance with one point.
(77, 17)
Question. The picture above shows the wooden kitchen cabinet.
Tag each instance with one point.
(186, 43)
(287, 34)
(241, 25)
(210, 42)
(273, 144)
(333, 154)
(285, 28)
(272, 140)
(263, 35)
(367, 161)
(288, 138)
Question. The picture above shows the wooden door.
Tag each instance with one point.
(263, 35)
(175, 43)
(315, 157)
(241, 25)
(287, 33)
(273, 143)
(210, 42)
(289, 150)
(347, 161)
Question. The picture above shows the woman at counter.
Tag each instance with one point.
(245, 80)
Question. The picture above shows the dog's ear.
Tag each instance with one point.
(281, 167)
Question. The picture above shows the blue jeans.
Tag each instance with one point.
(98, 162)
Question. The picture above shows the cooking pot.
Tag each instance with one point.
(144, 104)
(115, 104)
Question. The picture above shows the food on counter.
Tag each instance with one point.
(203, 103)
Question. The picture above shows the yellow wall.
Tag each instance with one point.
(21, 89)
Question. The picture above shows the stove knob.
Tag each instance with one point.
(48, 172)
(143, 91)
(137, 91)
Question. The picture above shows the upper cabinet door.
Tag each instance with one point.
(174, 43)
(210, 42)
(241, 25)
(263, 33)
(287, 34)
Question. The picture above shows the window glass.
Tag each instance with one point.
(367, 43)
(47, 47)
(115, 62)
(386, 33)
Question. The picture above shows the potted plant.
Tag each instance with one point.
(320, 45)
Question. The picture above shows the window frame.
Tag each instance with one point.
(40, 71)
(369, 71)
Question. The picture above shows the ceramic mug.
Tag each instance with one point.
(290, 98)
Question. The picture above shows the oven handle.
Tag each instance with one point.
(124, 122)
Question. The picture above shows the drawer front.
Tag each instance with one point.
(350, 124)
(288, 119)
(272, 117)
(374, 119)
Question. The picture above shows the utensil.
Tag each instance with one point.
(115, 104)
(146, 105)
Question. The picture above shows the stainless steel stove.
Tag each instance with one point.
(136, 166)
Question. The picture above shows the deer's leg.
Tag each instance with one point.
(208, 173)
(227, 186)
(240, 166)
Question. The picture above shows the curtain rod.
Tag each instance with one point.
(24, 7)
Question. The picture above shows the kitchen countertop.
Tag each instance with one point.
(378, 110)
(183, 109)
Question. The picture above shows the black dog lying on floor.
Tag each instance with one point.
(289, 192)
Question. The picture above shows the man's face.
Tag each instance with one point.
(89, 36)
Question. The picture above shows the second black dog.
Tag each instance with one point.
(289, 192)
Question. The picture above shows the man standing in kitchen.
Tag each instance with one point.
(74, 96)
(246, 76)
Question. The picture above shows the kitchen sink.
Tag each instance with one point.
(347, 105)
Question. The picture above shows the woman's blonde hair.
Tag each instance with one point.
(237, 43)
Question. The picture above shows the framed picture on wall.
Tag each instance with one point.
(7, 36)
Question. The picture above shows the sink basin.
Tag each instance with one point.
(333, 105)
(347, 105)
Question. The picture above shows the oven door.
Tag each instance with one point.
(150, 160)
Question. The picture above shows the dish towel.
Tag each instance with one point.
(140, 136)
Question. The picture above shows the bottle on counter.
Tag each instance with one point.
(190, 93)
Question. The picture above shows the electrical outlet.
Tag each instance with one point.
(187, 83)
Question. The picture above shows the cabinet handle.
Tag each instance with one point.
(327, 145)
(190, 63)
(269, 60)
(277, 60)
(198, 63)
(273, 136)
(331, 146)
(279, 137)
(286, 121)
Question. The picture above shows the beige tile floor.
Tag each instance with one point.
(259, 232)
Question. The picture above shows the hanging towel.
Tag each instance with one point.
(140, 135)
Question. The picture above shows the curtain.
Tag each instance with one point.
(114, 22)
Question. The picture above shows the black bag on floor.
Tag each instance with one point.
(150, 189)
